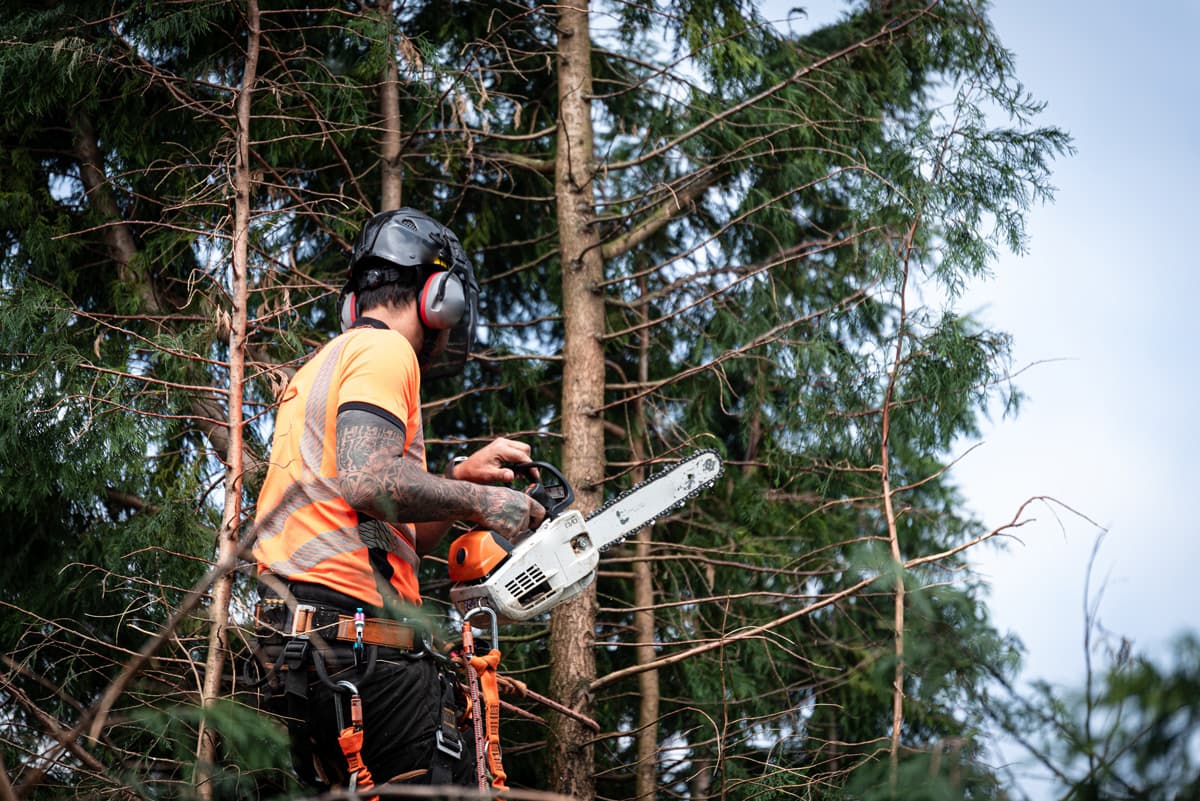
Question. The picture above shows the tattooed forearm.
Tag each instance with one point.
(376, 479)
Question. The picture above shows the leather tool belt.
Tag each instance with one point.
(276, 620)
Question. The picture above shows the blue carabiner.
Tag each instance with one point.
(360, 621)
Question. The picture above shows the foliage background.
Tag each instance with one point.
(804, 458)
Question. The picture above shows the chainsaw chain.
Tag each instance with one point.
(700, 488)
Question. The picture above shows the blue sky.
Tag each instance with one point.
(1103, 313)
(1104, 306)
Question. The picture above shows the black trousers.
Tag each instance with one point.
(402, 701)
(405, 699)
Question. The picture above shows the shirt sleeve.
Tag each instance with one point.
(379, 374)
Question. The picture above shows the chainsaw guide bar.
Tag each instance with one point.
(657, 496)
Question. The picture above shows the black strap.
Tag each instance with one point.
(323, 672)
(448, 747)
(296, 652)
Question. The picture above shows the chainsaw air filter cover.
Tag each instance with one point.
(477, 553)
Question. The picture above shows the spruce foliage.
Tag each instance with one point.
(771, 204)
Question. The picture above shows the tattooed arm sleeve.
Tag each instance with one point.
(375, 479)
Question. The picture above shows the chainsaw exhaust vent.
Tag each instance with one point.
(529, 587)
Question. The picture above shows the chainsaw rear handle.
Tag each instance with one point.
(549, 488)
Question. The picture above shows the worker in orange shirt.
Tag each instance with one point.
(348, 508)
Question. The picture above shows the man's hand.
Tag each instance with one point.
(487, 465)
(509, 512)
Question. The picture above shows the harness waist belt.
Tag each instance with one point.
(274, 617)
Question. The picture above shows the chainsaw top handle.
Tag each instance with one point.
(549, 487)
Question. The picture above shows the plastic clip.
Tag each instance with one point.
(360, 621)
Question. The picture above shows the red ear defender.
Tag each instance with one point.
(443, 301)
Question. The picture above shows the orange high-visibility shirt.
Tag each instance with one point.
(306, 530)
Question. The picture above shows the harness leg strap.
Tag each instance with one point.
(448, 742)
(293, 665)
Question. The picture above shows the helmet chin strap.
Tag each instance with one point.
(433, 344)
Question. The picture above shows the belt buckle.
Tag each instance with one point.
(270, 614)
(452, 750)
(302, 620)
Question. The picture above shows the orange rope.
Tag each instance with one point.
(486, 666)
(351, 740)
(468, 653)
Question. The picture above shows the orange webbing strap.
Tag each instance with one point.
(351, 741)
(486, 666)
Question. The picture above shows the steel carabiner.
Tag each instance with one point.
(355, 706)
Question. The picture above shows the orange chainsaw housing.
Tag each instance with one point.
(474, 555)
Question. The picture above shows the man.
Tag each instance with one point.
(347, 510)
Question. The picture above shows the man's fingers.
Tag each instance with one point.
(537, 513)
(510, 512)
(491, 464)
(510, 450)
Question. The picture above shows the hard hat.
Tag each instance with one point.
(390, 247)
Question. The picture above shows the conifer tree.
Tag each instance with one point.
(759, 227)
(695, 228)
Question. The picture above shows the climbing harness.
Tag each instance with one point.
(291, 669)
(293, 628)
(292, 665)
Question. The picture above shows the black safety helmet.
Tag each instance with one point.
(394, 244)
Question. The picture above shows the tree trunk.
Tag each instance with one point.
(118, 239)
(572, 634)
(227, 543)
(648, 689)
(889, 510)
(643, 595)
(391, 193)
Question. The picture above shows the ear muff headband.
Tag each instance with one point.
(443, 301)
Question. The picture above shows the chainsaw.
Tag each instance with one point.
(558, 560)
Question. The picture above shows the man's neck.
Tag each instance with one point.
(400, 318)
